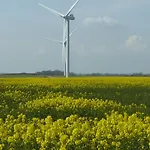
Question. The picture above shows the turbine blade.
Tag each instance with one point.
(63, 52)
(51, 10)
(64, 44)
(55, 40)
(69, 11)
(74, 30)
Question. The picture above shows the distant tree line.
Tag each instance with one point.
(60, 73)
(53, 73)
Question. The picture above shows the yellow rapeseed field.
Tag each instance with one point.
(82, 113)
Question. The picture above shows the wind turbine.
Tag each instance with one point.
(64, 44)
(66, 29)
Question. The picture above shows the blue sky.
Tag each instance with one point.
(113, 37)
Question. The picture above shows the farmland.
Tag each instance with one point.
(94, 113)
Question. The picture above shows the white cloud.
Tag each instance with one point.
(135, 43)
(100, 20)
(133, 40)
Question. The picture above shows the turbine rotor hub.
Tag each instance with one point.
(70, 17)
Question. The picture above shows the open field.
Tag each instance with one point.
(92, 113)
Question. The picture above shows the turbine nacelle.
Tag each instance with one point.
(70, 17)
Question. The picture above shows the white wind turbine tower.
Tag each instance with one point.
(66, 29)
(64, 44)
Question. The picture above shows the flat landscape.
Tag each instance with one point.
(90, 113)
